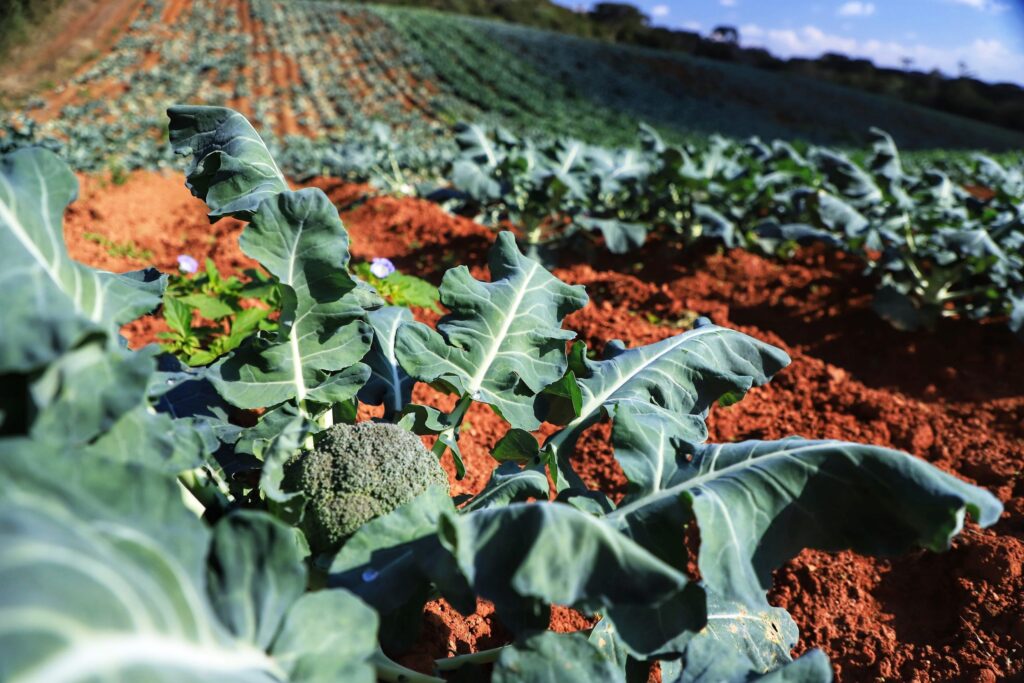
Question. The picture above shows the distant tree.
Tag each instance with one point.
(726, 34)
(907, 63)
(619, 21)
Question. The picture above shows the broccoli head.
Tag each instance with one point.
(357, 473)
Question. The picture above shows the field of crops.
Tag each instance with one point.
(327, 70)
(358, 343)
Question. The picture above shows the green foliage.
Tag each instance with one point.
(936, 250)
(137, 585)
(298, 238)
(229, 311)
(355, 474)
(35, 188)
(127, 249)
(400, 289)
(152, 536)
(502, 343)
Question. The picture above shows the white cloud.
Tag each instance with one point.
(991, 59)
(692, 26)
(992, 6)
(857, 9)
(659, 11)
(727, 3)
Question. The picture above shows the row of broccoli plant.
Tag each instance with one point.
(147, 536)
(936, 249)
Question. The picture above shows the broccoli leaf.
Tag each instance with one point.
(115, 382)
(510, 484)
(106, 575)
(708, 662)
(848, 178)
(389, 385)
(50, 300)
(738, 641)
(298, 237)
(671, 382)
(503, 341)
(231, 168)
(526, 556)
(248, 549)
(758, 504)
(619, 236)
(555, 658)
(115, 419)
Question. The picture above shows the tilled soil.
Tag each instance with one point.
(954, 396)
(71, 38)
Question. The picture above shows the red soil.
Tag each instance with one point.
(954, 397)
(76, 36)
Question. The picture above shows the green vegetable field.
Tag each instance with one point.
(352, 343)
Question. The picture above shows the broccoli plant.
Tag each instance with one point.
(357, 473)
(936, 250)
(195, 533)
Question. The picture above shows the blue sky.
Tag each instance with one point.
(988, 35)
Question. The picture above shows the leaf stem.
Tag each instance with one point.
(455, 424)
(205, 489)
(482, 657)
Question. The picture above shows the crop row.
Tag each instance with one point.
(315, 69)
(936, 248)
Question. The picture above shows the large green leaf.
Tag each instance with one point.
(231, 168)
(85, 392)
(103, 576)
(619, 236)
(50, 300)
(758, 504)
(709, 663)
(526, 556)
(298, 237)
(671, 383)
(510, 484)
(503, 341)
(390, 562)
(248, 550)
(738, 641)
(852, 181)
(651, 445)
(555, 658)
(94, 398)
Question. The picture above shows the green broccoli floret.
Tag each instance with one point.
(356, 473)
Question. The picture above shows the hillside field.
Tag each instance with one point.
(326, 70)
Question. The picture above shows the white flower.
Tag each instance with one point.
(382, 267)
(187, 264)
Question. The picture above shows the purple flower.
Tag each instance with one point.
(187, 264)
(382, 267)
